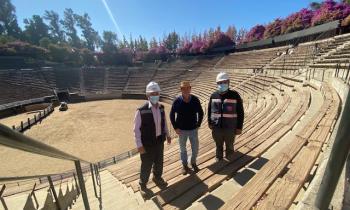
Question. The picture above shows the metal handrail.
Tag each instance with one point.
(16, 140)
(13, 139)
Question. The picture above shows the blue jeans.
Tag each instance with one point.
(193, 136)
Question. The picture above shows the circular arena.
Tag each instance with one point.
(292, 152)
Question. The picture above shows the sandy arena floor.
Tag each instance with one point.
(92, 131)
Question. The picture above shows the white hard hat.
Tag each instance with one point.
(222, 76)
(152, 87)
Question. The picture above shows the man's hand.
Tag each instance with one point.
(141, 150)
(238, 131)
(178, 131)
(168, 139)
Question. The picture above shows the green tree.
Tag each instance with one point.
(171, 42)
(8, 20)
(133, 44)
(56, 33)
(45, 42)
(91, 36)
(35, 29)
(109, 43)
(231, 32)
(153, 43)
(315, 5)
(69, 23)
(124, 43)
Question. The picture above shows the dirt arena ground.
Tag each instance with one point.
(92, 131)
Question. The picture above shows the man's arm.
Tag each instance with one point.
(137, 132)
(240, 114)
(200, 113)
(168, 137)
(172, 114)
(209, 113)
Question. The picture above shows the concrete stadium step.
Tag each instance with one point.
(114, 196)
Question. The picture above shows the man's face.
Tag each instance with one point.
(153, 94)
(186, 91)
(223, 82)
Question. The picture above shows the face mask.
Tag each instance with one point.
(154, 99)
(222, 87)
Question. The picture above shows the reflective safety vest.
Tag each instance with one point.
(223, 111)
(148, 127)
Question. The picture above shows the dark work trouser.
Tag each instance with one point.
(222, 136)
(153, 157)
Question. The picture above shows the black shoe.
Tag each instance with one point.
(185, 170)
(195, 167)
(145, 192)
(160, 182)
(218, 159)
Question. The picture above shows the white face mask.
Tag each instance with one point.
(154, 99)
(222, 87)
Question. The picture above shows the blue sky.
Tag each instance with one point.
(157, 17)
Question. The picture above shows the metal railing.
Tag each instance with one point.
(16, 140)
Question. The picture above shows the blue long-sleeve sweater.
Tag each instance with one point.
(188, 115)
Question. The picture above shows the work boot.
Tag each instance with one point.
(160, 182)
(185, 169)
(195, 167)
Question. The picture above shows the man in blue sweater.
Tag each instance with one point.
(186, 117)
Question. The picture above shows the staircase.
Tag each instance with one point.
(114, 196)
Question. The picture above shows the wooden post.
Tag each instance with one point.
(14, 127)
(28, 120)
(114, 160)
(34, 118)
(21, 125)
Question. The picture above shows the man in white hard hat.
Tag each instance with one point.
(225, 116)
(150, 129)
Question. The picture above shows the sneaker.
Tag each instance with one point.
(185, 170)
(195, 167)
(160, 182)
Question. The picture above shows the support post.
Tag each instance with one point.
(93, 179)
(82, 184)
(52, 187)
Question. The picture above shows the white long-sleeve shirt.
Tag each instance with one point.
(157, 121)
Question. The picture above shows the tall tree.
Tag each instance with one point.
(8, 19)
(132, 43)
(69, 23)
(123, 43)
(153, 43)
(171, 42)
(55, 29)
(91, 36)
(231, 32)
(109, 43)
(35, 29)
(315, 5)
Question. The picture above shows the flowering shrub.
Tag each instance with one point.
(256, 33)
(297, 21)
(329, 11)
